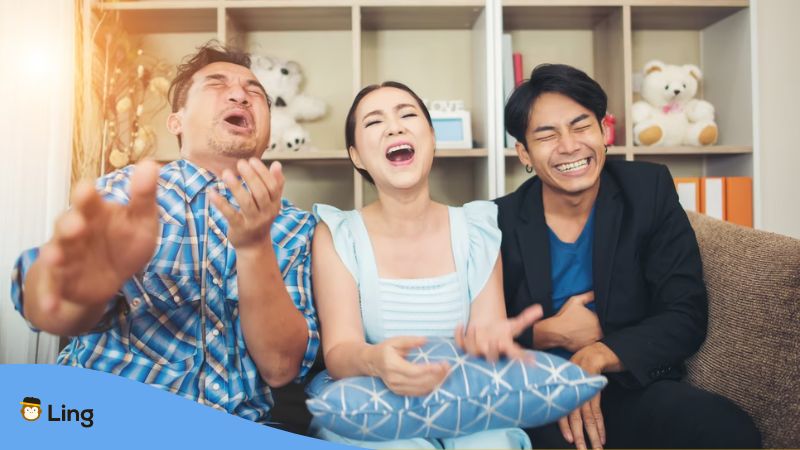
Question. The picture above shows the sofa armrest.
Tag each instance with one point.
(752, 352)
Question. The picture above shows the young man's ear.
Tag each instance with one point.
(522, 154)
(174, 124)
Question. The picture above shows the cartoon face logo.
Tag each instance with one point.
(31, 408)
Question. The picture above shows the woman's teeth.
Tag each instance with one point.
(400, 152)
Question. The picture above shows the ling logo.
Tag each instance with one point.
(31, 408)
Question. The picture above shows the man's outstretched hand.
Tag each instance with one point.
(97, 245)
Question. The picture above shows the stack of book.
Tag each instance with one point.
(724, 198)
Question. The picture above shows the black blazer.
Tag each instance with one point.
(648, 277)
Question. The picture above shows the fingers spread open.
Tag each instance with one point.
(144, 182)
(86, 199)
(228, 211)
(598, 418)
(256, 185)
(563, 425)
(277, 180)
(405, 343)
(525, 319)
(242, 196)
(576, 425)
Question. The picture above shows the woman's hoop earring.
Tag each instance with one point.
(528, 168)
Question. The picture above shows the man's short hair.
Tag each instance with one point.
(208, 53)
(555, 78)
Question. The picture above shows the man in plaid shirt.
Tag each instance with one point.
(193, 277)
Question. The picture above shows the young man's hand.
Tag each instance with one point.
(594, 359)
(574, 326)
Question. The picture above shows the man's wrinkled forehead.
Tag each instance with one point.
(225, 71)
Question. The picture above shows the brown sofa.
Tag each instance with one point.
(752, 352)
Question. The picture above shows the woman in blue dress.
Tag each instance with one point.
(405, 267)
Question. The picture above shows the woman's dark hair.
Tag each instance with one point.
(208, 53)
(350, 122)
(557, 78)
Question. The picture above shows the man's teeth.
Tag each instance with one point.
(573, 165)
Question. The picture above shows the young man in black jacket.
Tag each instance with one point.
(609, 253)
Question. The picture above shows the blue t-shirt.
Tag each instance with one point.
(571, 269)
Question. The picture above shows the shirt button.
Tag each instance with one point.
(215, 332)
(217, 281)
(177, 298)
(215, 386)
(136, 302)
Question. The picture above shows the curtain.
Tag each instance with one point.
(37, 76)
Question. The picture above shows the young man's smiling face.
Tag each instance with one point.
(225, 114)
(566, 146)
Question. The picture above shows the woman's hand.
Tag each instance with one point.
(493, 339)
(387, 360)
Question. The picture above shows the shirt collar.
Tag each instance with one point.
(195, 178)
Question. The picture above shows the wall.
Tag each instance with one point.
(776, 115)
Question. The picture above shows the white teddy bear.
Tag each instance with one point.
(282, 79)
(669, 114)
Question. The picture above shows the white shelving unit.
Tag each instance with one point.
(450, 49)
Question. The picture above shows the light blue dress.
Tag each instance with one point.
(421, 306)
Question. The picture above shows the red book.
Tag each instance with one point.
(517, 68)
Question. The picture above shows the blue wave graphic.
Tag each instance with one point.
(124, 414)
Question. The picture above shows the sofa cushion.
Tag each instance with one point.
(477, 395)
(751, 352)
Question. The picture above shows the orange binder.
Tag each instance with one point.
(712, 197)
(739, 200)
(689, 193)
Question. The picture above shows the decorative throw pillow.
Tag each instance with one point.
(476, 396)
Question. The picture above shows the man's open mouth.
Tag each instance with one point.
(240, 119)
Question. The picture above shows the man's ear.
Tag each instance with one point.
(355, 157)
(522, 154)
(174, 124)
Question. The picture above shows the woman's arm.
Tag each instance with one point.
(346, 351)
(489, 332)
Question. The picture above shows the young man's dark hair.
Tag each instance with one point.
(208, 53)
(556, 78)
(350, 122)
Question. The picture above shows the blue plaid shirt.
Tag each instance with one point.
(176, 324)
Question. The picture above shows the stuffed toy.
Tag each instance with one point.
(669, 114)
(282, 80)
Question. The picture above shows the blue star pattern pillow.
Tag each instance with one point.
(476, 396)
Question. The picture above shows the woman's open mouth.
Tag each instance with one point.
(400, 154)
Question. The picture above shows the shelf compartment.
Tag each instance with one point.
(420, 17)
(249, 18)
(525, 16)
(683, 15)
(163, 20)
